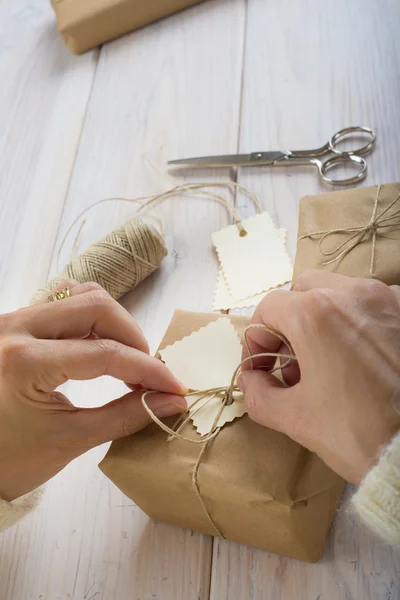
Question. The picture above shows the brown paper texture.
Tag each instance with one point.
(84, 24)
(343, 209)
(260, 487)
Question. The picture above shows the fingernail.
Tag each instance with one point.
(183, 389)
(163, 407)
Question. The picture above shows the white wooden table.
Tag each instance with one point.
(225, 76)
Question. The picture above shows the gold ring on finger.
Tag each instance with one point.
(59, 295)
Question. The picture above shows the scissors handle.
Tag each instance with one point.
(342, 160)
(352, 132)
(332, 144)
(357, 162)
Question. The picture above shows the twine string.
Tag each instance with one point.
(377, 222)
(235, 185)
(146, 202)
(133, 248)
(226, 393)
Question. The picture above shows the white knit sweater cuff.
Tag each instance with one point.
(378, 497)
(11, 512)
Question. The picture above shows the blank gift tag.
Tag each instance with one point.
(224, 300)
(204, 360)
(255, 262)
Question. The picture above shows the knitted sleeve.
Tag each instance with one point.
(377, 500)
(11, 512)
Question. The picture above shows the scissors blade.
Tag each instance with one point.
(230, 160)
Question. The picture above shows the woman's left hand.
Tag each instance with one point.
(81, 337)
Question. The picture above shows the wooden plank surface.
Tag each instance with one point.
(43, 97)
(310, 69)
(74, 130)
(169, 90)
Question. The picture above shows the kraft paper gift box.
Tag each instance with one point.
(260, 487)
(84, 24)
(348, 237)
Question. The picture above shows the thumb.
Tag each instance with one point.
(268, 402)
(124, 416)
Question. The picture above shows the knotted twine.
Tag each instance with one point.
(129, 254)
(227, 397)
(379, 221)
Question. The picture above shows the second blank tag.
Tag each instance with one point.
(223, 299)
(255, 262)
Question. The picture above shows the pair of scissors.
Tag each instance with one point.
(340, 158)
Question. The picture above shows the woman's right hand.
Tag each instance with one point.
(41, 347)
(343, 400)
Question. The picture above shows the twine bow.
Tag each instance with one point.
(357, 234)
(226, 393)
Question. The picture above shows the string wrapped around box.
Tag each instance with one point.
(242, 481)
(353, 232)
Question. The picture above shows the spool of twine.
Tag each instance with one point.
(118, 262)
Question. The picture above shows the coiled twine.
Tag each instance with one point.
(118, 262)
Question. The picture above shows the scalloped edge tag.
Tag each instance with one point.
(223, 299)
(255, 262)
(206, 359)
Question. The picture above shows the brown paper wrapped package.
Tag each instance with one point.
(84, 24)
(260, 487)
(349, 209)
